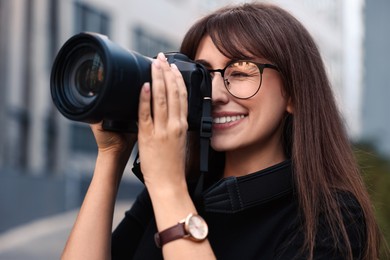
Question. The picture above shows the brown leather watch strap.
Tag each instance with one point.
(170, 234)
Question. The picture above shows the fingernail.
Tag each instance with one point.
(161, 56)
(146, 87)
(173, 65)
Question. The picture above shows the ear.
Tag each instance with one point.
(290, 107)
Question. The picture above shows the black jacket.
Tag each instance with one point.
(250, 217)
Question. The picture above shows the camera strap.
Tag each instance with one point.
(205, 135)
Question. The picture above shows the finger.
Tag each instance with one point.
(171, 91)
(159, 95)
(97, 127)
(145, 123)
(171, 81)
(182, 94)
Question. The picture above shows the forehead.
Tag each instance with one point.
(210, 55)
(207, 50)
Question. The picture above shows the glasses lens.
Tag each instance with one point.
(242, 79)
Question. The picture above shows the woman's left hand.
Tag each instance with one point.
(163, 126)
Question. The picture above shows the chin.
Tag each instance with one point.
(221, 145)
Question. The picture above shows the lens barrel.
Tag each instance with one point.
(93, 79)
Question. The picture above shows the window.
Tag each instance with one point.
(150, 44)
(91, 19)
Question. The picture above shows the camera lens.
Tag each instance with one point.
(93, 80)
(85, 77)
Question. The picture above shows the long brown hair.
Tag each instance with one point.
(315, 136)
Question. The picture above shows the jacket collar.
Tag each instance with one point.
(234, 194)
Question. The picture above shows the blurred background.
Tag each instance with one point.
(46, 161)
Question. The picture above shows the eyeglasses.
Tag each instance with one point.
(243, 79)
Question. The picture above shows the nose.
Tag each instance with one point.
(219, 92)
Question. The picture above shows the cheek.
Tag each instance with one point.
(270, 102)
(268, 111)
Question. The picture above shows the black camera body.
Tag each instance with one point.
(93, 79)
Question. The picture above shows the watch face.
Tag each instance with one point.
(197, 227)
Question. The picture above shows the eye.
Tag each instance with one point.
(242, 69)
(238, 74)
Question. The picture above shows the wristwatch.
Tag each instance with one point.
(193, 227)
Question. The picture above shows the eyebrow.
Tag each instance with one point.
(208, 64)
(204, 62)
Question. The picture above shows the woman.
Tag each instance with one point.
(283, 182)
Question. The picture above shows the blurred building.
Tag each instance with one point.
(45, 159)
(35, 137)
(376, 102)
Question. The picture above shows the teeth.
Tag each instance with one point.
(227, 119)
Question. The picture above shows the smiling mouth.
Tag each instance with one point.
(227, 119)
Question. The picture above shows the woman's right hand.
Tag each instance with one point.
(113, 142)
(91, 236)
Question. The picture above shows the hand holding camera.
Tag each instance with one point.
(163, 126)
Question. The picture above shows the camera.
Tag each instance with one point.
(94, 79)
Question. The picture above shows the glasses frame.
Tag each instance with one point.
(260, 66)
